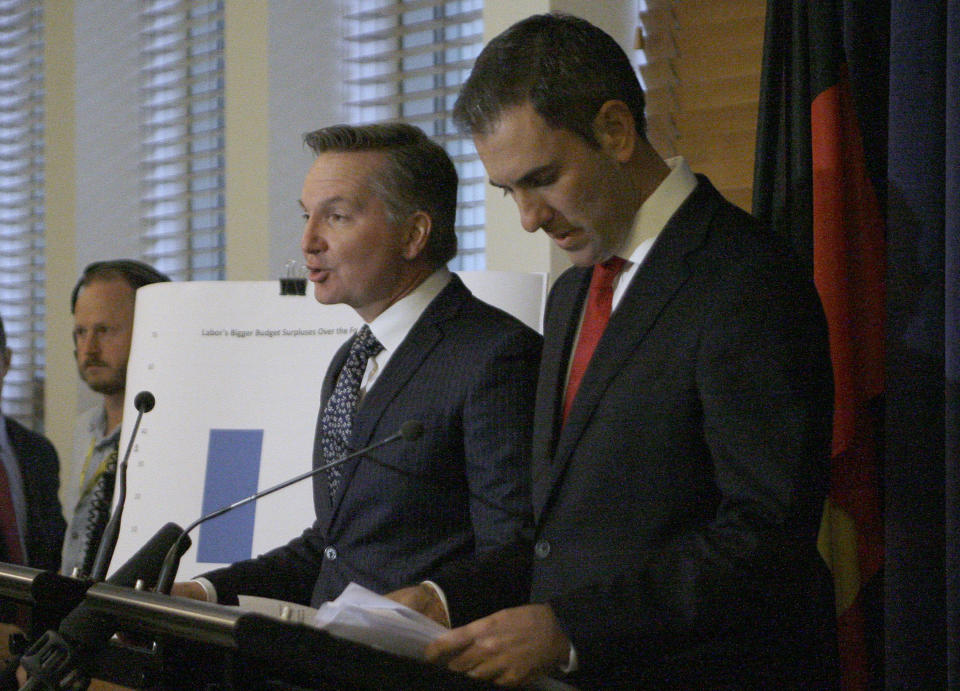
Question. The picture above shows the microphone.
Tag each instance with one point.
(52, 660)
(145, 564)
(144, 403)
(409, 431)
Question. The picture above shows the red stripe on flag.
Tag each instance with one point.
(849, 266)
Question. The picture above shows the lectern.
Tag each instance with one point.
(165, 642)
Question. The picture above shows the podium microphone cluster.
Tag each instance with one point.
(409, 431)
(55, 660)
(52, 658)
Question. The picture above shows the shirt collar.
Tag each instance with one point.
(393, 324)
(657, 210)
(97, 425)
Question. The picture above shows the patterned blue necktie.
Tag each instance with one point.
(337, 419)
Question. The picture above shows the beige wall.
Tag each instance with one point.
(60, 175)
(247, 89)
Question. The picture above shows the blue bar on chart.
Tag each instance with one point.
(233, 471)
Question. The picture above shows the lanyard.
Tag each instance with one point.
(101, 469)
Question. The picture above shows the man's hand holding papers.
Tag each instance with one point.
(362, 616)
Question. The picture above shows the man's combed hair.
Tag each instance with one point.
(418, 176)
(566, 67)
(136, 273)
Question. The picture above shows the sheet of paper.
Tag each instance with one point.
(362, 616)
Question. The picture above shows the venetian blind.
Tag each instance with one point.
(702, 76)
(22, 206)
(407, 61)
(182, 169)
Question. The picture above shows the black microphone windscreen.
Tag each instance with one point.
(144, 402)
(411, 430)
(145, 563)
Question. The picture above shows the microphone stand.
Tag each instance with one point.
(144, 403)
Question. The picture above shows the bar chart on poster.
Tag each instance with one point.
(236, 368)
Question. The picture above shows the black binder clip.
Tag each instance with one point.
(291, 284)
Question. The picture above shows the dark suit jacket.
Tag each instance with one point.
(40, 469)
(467, 372)
(676, 511)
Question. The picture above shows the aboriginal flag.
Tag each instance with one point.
(819, 177)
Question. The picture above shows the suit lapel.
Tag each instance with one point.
(654, 285)
(403, 365)
(560, 327)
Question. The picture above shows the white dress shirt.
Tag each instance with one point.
(393, 324)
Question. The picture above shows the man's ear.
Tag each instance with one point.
(416, 234)
(616, 130)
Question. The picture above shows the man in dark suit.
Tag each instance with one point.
(379, 206)
(683, 409)
(32, 520)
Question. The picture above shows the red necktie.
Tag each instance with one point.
(595, 318)
(8, 520)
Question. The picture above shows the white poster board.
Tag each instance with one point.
(236, 370)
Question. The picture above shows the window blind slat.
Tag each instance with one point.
(388, 9)
(432, 70)
(402, 30)
(410, 97)
(473, 39)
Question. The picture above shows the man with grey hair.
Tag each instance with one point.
(378, 206)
